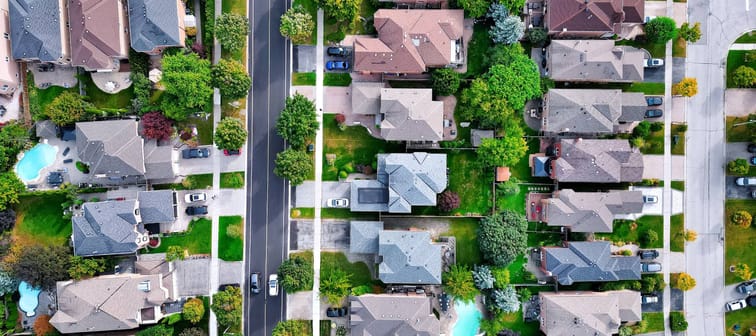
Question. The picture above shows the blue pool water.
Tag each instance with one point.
(468, 319)
(29, 298)
(34, 160)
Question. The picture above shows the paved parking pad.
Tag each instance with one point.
(304, 196)
(334, 235)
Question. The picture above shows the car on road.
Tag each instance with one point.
(338, 51)
(651, 267)
(654, 101)
(751, 148)
(736, 305)
(196, 210)
(653, 62)
(195, 197)
(195, 153)
(649, 298)
(751, 301)
(337, 65)
(254, 283)
(649, 199)
(273, 284)
(231, 152)
(337, 202)
(648, 254)
(746, 287)
(745, 181)
(653, 113)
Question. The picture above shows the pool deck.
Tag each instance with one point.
(70, 173)
(42, 173)
(45, 306)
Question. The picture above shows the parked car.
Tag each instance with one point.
(337, 203)
(196, 210)
(753, 194)
(649, 199)
(337, 65)
(753, 160)
(273, 284)
(736, 305)
(332, 312)
(654, 113)
(751, 301)
(654, 101)
(746, 287)
(653, 62)
(254, 283)
(195, 153)
(338, 51)
(649, 298)
(745, 181)
(195, 197)
(651, 267)
(648, 254)
(46, 67)
(231, 152)
(751, 148)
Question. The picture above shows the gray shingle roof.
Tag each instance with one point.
(112, 148)
(408, 257)
(633, 106)
(366, 97)
(385, 315)
(594, 61)
(158, 161)
(36, 30)
(157, 206)
(477, 136)
(589, 261)
(590, 211)
(588, 313)
(411, 115)
(363, 236)
(600, 161)
(590, 111)
(46, 129)
(155, 24)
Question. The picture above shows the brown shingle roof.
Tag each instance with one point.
(598, 16)
(97, 33)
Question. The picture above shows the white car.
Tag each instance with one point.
(273, 285)
(746, 181)
(337, 203)
(648, 199)
(736, 305)
(653, 62)
(195, 197)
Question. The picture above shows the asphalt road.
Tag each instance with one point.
(267, 195)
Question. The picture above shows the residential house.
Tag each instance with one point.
(98, 33)
(404, 257)
(116, 302)
(594, 61)
(118, 227)
(411, 41)
(385, 315)
(39, 31)
(419, 4)
(590, 160)
(590, 111)
(403, 180)
(116, 154)
(8, 67)
(588, 313)
(592, 18)
(156, 25)
(588, 262)
(589, 211)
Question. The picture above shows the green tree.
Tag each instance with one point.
(474, 8)
(537, 36)
(738, 167)
(642, 130)
(502, 237)
(649, 237)
(503, 54)
(458, 282)
(506, 299)
(502, 152)
(687, 87)
(477, 103)
(227, 306)
(516, 82)
(501, 274)
(506, 29)
(298, 121)
(157, 330)
(186, 79)
(690, 33)
(741, 218)
(39, 266)
(85, 267)
(293, 165)
(445, 81)
(660, 29)
(10, 188)
(194, 310)
(341, 10)
(483, 277)
(142, 92)
(8, 284)
(67, 108)
(192, 332)
(677, 321)
(175, 252)
(230, 134)
(744, 77)
(514, 6)
(291, 328)
(231, 30)
(13, 138)
(231, 78)
(335, 285)
(295, 274)
(297, 25)
(683, 282)
(743, 272)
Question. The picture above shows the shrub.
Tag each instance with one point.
(738, 167)
(343, 174)
(690, 33)
(677, 321)
(743, 272)
(82, 167)
(682, 128)
(741, 218)
(509, 188)
(458, 282)
(650, 237)
(336, 36)
(660, 29)
(296, 274)
(537, 36)
(156, 126)
(235, 231)
(501, 277)
(194, 310)
(657, 126)
(627, 253)
(744, 77)
(348, 168)
(42, 326)
(683, 281)
(687, 87)
(362, 289)
(690, 235)
(445, 82)
(642, 129)
(448, 201)
(340, 119)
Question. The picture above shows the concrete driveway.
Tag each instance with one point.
(305, 193)
(740, 102)
(654, 167)
(737, 150)
(304, 58)
(339, 97)
(654, 75)
(232, 163)
(656, 209)
(334, 235)
(230, 202)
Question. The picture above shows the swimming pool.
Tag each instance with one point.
(34, 160)
(468, 319)
(29, 298)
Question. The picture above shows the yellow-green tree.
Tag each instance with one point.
(743, 272)
(194, 310)
(687, 87)
(683, 282)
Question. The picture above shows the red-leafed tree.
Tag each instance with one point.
(448, 201)
(156, 126)
(42, 326)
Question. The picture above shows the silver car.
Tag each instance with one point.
(735, 305)
(337, 203)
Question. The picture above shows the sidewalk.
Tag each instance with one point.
(214, 264)
(318, 178)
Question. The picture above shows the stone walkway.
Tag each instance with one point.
(740, 102)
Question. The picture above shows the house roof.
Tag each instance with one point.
(410, 41)
(36, 30)
(408, 257)
(590, 110)
(590, 211)
(594, 61)
(589, 261)
(111, 147)
(597, 160)
(366, 97)
(97, 33)
(158, 161)
(384, 315)
(46, 129)
(588, 313)
(599, 16)
(363, 236)
(155, 23)
(411, 115)
(477, 136)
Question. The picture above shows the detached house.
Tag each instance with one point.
(590, 111)
(588, 262)
(411, 41)
(594, 61)
(8, 66)
(39, 31)
(592, 18)
(99, 35)
(589, 211)
(387, 315)
(588, 313)
(590, 161)
(156, 25)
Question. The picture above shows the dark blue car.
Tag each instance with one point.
(195, 153)
(337, 65)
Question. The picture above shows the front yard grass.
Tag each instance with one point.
(329, 79)
(120, 100)
(738, 241)
(303, 78)
(196, 239)
(679, 147)
(628, 231)
(39, 219)
(199, 181)
(678, 185)
(341, 213)
(232, 180)
(679, 48)
(359, 273)
(655, 321)
(740, 133)
(465, 230)
(657, 50)
(745, 318)
(204, 128)
(303, 213)
(231, 238)
(648, 88)
(749, 37)
(736, 58)
(677, 230)
(472, 183)
(654, 143)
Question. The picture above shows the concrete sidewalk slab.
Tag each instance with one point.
(740, 102)
(654, 167)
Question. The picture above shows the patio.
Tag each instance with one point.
(59, 75)
(112, 82)
(12, 107)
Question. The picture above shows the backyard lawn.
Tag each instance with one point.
(232, 180)
(628, 231)
(39, 99)
(514, 321)
(738, 241)
(736, 58)
(517, 272)
(39, 219)
(655, 321)
(120, 100)
(196, 240)
(739, 133)
(472, 183)
(465, 230)
(677, 230)
(477, 51)
(230, 238)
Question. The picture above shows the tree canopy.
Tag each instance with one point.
(445, 81)
(293, 165)
(290, 328)
(503, 152)
(297, 24)
(39, 266)
(683, 282)
(67, 108)
(458, 282)
(661, 29)
(231, 30)
(474, 8)
(194, 310)
(507, 29)
(10, 188)
(483, 277)
(516, 82)
(690, 33)
(738, 166)
(298, 121)
(187, 79)
(85, 267)
(8, 284)
(502, 237)
(295, 274)
(230, 134)
(341, 10)
(335, 285)
(506, 299)
(687, 87)
(227, 306)
(42, 326)
(156, 330)
(479, 104)
(231, 78)
(447, 201)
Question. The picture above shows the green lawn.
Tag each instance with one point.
(472, 183)
(679, 47)
(465, 230)
(678, 185)
(479, 46)
(204, 128)
(627, 232)
(738, 241)
(39, 99)
(677, 230)
(358, 271)
(749, 37)
(736, 58)
(353, 145)
(303, 78)
(310, 6)
(304, 213)
(745, 318)
(232, 180)
(647, 88)
(199, 181)
(196, 240)
(514, 321)
(655, 321)
(679, 147)
(654, 143)
(329, 79)
(120, 100)
(39, 219)
(657, 50)
(335, 213)
(229, 245)
(517, 272)
(739, 133)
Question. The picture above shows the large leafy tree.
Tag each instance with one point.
(67, 108)
(296, 274)
(42, 326)
(335, 285)
(7, 220)
(474, 8)
(507, 29)
(227, 306)
(477, 103)
(690, 33)
(516, 82)
(297, 24)
(156, 126)
(744, 77)
(230, 134)
(687, 87)
(10, 188)
(458, 282)
(39, 266)
(290, 328)
(502, 237)
(298, 121)
(537, 36)
(445, 81)
(194, 310)
(502, 152)
(231, 30)
(187, 79)
(683, 282)
(341, 10)
(13, 138)
(85, 267)
(293, 165)
(448, 201)
(8, 284)
(677, 321)
(661, 29)
(231, 78)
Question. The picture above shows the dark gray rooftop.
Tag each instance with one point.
(590, 211)
(385, 315)
(363, 236)
(35, 30)
(590, 111)
(589, 262)
(408, 257)
(111, 148)
(598, 160)
(154, 24)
